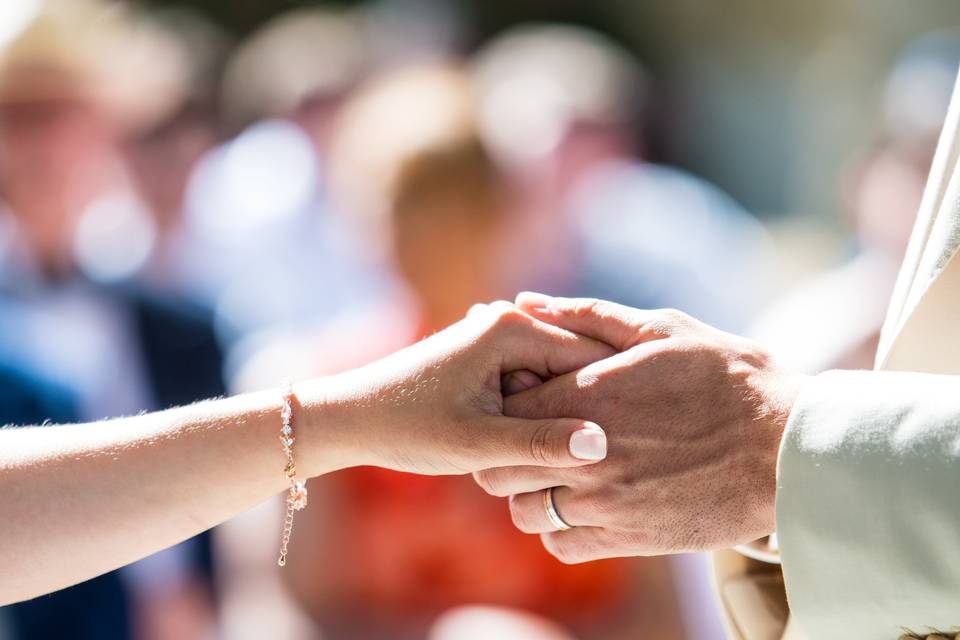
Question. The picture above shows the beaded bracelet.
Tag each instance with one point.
(297, 494)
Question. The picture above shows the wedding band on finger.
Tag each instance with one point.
(552, 515)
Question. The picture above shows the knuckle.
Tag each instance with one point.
(539, 444)
(510, 318)
(563, 549)
(521, 517)
(674, 317)
(487, 480)
(505, 317)
(585, 307)
(476, 310)
(665, 323)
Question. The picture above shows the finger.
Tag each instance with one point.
(552, 399)
(509, 481)
(529, 512)
(581, 544)
(476, 310)
(517, 381)
(524, 342)
(561, 442)
(619, 326)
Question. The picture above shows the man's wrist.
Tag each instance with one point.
(781, 397)
(784, 398)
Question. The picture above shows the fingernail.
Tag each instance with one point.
(589, 443)
(533, 300)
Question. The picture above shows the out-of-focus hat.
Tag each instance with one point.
(301, 54)
(396, 117)
(98, 52)
(535, 80)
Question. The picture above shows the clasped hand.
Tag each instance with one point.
(690, 422)
(693, 417)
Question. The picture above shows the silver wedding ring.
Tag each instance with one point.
(551, 510)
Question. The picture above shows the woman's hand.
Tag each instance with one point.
(434, 408)
(437, 407)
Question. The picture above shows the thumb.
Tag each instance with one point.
(553, 442)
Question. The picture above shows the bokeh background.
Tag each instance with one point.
(204, 197)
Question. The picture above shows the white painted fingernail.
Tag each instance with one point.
(588, 443)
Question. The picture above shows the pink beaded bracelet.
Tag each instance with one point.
(297, 494)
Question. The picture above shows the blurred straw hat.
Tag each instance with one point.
(535, 80)
(95, 51)
(302, 54)
(393, 121)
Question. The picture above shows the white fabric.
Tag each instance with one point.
(868, 506)
(868, 497)
(934, 234)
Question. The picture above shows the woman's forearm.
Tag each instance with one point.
(79, 500)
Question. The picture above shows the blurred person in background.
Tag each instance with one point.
(258, 208)
(833, 320)
(407, 159)
(568, 110)
(79, 79)
(260, 213)
(162, 156)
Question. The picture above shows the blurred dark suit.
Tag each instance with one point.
(97, 608)
(183, 363)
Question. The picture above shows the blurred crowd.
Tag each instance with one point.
(183, 215)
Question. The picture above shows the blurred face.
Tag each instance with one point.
(163, 161)
(444, 247)
(585, 146)
(53, 160)
(317, 116)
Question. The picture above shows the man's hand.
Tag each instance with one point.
(693, 418)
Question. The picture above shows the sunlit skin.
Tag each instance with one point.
(694, 416)
(444, 236)
(77, 501)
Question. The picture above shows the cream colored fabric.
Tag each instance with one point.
(868, 499)
(934, 236)
(868, 512)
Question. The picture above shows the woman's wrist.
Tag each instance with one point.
(330, 426)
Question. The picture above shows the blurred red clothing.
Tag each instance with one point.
(421, 545)
(405, 546)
